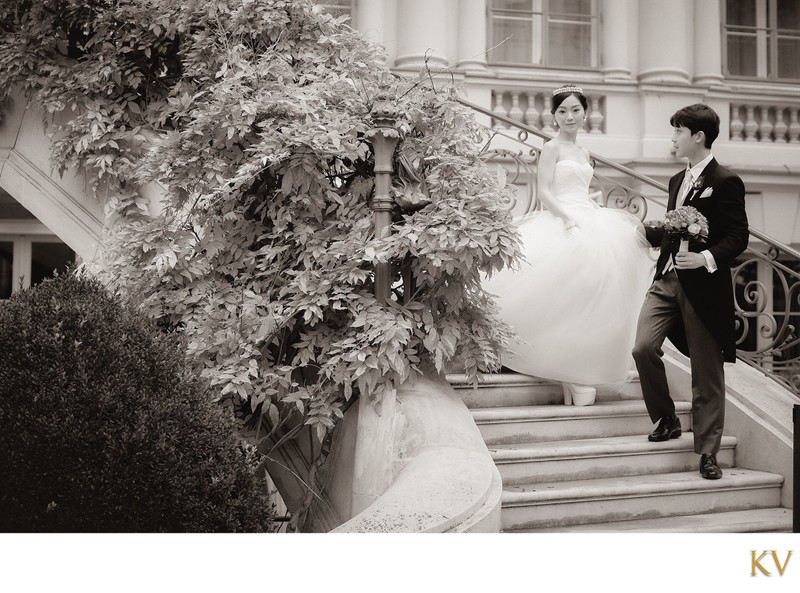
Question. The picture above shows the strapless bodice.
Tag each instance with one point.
(571, 182)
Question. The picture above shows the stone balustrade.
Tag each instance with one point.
(764, 123)
(532, 107)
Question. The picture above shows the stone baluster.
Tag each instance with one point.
(750, 124)
(780, 125)
(547, 117)
(515, 112)
(595, 117)
(737, 125)
(531, 114)
(794, 126)
(499, 108)
(765, 126)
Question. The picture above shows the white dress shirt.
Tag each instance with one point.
(696, 171)
(693, 174)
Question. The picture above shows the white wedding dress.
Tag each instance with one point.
(575, 302)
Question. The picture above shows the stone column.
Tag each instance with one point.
(472, 34)
(707, 42)
(421, 31)
(618, 32)
(371, 20)
(666, 39)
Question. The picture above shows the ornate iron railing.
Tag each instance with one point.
(609, 191)
(766, 276)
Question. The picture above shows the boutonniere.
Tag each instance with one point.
(698, 183)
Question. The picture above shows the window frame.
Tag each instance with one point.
(352, 10)
(767, 34)
(22, 234)
(547, 19)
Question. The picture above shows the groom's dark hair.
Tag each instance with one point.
(698, 118)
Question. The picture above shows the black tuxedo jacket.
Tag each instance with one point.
(711, 294)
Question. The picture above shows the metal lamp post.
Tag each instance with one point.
(384, 138)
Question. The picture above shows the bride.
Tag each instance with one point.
(575, 300)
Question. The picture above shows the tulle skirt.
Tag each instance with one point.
(575, 301)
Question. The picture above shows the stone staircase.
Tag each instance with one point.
(570, 469)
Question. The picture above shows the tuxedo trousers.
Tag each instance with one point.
(664, 306)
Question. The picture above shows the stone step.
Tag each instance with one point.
(557, 423)
(770, 520)
(514, 389)
(574, 502)
(583, 459)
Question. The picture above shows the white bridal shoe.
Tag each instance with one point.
(578, 395)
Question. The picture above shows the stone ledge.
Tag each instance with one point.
(437, 473)
(437, 491)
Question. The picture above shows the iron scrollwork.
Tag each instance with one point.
(767, 306)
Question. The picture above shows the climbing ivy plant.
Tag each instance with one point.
(249, 119)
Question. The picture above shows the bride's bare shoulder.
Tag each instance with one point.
(551, 149)
(552, 144)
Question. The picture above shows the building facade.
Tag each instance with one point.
(637, 60)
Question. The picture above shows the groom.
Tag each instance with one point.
(691, 298)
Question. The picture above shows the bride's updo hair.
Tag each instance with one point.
(561, 93)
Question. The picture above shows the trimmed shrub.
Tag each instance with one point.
(103, 429)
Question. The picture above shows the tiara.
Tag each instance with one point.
(570, 88)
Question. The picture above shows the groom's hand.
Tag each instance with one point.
(689, 260)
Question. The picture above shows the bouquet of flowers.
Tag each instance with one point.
(686, 223)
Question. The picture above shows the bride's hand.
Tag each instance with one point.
(570, 224)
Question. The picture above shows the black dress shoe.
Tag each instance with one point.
(709, 468)
(669, 427)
